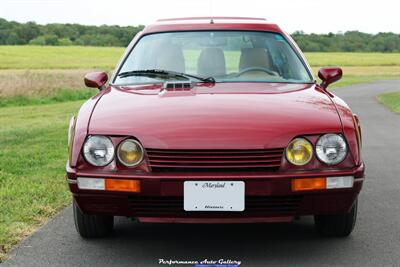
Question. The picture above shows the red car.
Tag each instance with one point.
(214, 120)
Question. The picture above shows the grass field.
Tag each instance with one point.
(34, 83)
(58, 57)
(391, 100)
(33, 154)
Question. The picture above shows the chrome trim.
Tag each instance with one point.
(71, 181)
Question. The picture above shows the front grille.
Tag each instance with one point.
(254, 205)
(214, 160)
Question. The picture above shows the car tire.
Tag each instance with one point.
(92, 226)
(339, 225)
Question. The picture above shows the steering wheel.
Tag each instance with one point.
(270, 72)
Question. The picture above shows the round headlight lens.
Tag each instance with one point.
(130, 153)
(299, 152)
(98, 150)
(331, 149)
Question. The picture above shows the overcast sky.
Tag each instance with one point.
(318, 16)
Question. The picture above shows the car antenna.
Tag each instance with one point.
(211, 12)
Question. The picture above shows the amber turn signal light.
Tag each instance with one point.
(122, 185)
(308, 184)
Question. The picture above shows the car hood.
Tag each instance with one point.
(221, 116)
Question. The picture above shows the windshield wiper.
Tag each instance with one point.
(168, 73)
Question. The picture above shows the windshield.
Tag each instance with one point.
(226, 56)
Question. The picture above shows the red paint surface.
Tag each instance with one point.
(329, 75)
(95, 79)
(224, 116)
(216, 116)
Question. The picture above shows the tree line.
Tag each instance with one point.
(30, 33)
(351, 41)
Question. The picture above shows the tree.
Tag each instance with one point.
(51, 39)
(38, 41)
(64, 42)
(27, 31)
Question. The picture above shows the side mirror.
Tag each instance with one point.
(329, 75)
(96, 79)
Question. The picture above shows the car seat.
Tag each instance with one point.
(254, 57)
(211, 62)
(170, 57)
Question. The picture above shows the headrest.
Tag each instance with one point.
(211, 62)
(170, 58)
(254, 57)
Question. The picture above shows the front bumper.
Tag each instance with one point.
(268, 197)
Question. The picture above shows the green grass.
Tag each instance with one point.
(59, 57)
(351, 80)
(33, 143)
(391, 100)
(353, 59)
(62, 95)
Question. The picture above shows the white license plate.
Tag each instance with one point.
(213, 196)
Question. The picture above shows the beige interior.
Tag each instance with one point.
(254, 57)
(211, 62)
(170, 58)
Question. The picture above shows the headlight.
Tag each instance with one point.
(130, 152)
(98, 150)
(331, 149)
(299, 152)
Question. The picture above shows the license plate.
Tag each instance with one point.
(213, 196)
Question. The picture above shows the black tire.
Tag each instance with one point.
(339, 225)
(92, 226)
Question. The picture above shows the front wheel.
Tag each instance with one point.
(339, 225)
(92, 226)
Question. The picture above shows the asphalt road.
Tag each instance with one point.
(375, 240)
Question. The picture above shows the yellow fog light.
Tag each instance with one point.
(130, 153)
(299, 152)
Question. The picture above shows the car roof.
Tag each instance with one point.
(211, 23)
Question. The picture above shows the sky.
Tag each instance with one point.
(310, 16)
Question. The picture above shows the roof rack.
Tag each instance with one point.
(212, 18)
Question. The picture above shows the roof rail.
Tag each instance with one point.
(212, 18)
